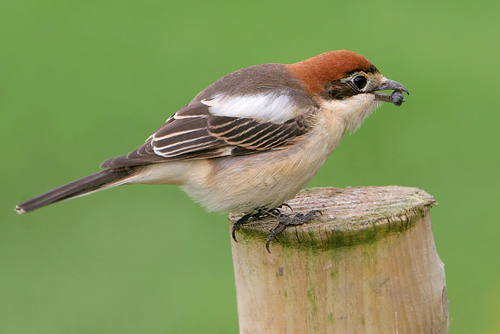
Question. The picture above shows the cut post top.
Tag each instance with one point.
(350, 216)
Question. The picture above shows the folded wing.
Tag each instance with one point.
(195, 133)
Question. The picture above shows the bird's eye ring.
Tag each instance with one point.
(359, 81)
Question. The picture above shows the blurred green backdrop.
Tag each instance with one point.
(82, 81)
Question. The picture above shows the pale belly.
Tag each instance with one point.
(243, 184)
(248, 183)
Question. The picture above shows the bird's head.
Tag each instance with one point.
(348, 83)
(342, 74)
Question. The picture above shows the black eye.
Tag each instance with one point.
(359, 81)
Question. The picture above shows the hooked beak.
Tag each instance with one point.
(396, 97)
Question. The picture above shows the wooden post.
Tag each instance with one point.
(368, 265)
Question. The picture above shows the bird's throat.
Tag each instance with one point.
(353, 110)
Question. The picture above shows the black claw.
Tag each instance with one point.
(237, 225)
(273, 233)
(233, 233)
(268, 242)
(287, 205)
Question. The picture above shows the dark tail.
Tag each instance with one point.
(99, 181)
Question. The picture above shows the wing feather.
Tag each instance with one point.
(194, 133)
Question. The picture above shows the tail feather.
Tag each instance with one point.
(99, 181)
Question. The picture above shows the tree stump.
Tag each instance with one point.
(367, 265)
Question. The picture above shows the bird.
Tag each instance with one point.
(251, 140)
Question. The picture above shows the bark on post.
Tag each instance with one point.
(368, 265)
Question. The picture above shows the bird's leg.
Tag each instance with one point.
(286, 220)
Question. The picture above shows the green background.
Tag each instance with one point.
(82, 81)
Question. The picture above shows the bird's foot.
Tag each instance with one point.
(285, 220)
(260, 213)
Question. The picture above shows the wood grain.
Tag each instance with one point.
(368, 265)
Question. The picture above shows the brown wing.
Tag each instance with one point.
(248, 136)
(194, 133)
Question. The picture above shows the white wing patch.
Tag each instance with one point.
(272, 107)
